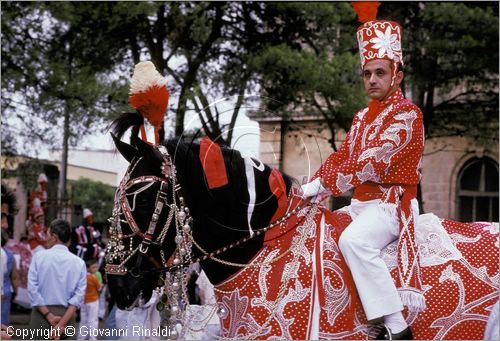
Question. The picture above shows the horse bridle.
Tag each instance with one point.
(116, 249)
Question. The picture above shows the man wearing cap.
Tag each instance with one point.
(41, 191)
(380, 159)
(93, 233)
(85, 237)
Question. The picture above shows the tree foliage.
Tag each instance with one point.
(313, 70)
(451, 52)
(95, 195)
(303, 57)
(201, 46)
(50, 70)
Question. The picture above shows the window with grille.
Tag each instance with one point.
(477, 191)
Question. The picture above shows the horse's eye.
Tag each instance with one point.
(142, 201)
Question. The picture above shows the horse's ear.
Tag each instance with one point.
(147, 150)
(142, 147)
(127, 151)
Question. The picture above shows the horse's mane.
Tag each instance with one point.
(125, 121)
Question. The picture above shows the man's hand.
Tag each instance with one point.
(315, 190)
(4, 334)
(62, 321)
(53, 319)
(57, 331)
(320, 197)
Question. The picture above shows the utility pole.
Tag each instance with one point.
(64, 156)
(66, 132)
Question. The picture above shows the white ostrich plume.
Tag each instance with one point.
(145, 76)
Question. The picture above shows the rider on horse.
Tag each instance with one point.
(380, 159)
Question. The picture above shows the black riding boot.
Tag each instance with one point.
(386, 334)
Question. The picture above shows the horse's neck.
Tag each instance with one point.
(221, 216)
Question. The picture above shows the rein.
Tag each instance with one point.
(211, 255)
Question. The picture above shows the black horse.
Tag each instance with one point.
(220, 215)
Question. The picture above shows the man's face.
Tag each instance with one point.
(51, 239)
(377, 76)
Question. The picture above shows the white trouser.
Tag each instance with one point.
(89, 321)
(371, 230)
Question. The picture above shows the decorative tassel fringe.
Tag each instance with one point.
(389, 210)
(143, 134)
(414, 300)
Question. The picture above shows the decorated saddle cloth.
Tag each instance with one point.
(299, 287)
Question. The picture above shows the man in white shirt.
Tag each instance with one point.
(56, 282)
(3, 257)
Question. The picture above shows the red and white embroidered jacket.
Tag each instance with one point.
(384, 150)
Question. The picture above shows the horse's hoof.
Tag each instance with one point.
(386, 334)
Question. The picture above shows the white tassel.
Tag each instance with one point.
(415, 301)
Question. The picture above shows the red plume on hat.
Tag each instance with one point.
(149, 95)
(367, 11)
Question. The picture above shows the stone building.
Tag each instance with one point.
(460, 177)
(106, 166)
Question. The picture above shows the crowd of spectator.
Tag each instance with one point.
(34, 267)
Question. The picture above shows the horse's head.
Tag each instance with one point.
(148, 215)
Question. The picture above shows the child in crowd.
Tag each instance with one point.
(90, 308)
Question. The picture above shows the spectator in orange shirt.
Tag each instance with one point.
(89, 319)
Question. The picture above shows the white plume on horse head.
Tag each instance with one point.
(149, 96)
(145, 76)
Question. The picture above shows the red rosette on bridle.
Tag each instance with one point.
(149, 95)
